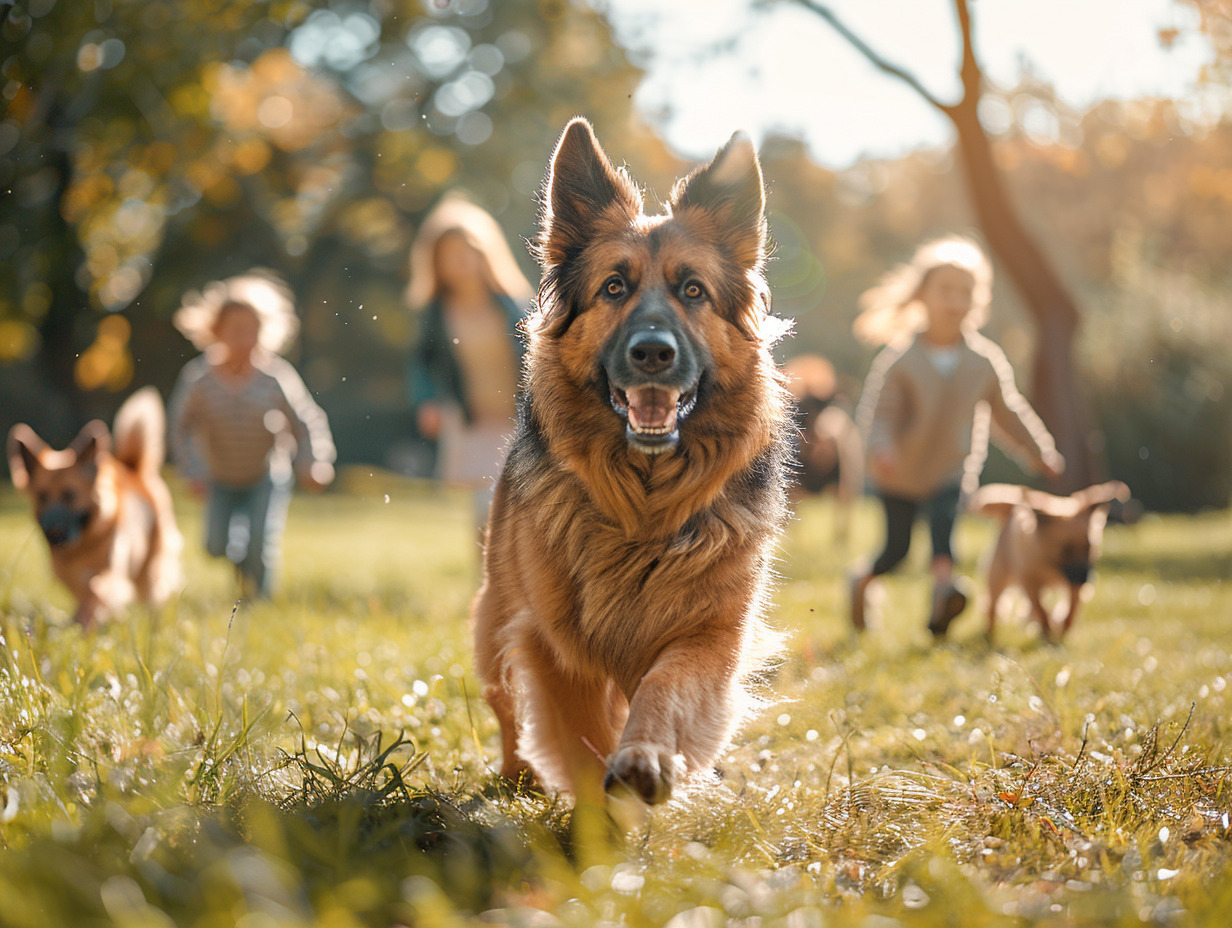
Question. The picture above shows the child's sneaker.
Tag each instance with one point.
(948, 603)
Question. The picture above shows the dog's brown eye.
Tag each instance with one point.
(693, 290)
(615, 286)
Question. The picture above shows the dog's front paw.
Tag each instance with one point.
(644, 770)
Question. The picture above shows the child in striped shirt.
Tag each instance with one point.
(242, 421)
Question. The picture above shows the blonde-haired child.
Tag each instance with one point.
(926, 407)
(242, 419)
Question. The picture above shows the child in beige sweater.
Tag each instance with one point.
(926, 408)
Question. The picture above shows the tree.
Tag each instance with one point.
(148, 146)
(1055, 390)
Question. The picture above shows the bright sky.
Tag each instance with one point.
(790, 71)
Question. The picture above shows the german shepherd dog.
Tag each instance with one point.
(1045, 541)
(627, 556)
(106, 514)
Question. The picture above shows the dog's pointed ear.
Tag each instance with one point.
(24, 448)
(92, 441)
(996, 500)
(581, 185)
(730, 188)
(1102, 494)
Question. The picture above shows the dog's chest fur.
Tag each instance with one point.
(629, 590)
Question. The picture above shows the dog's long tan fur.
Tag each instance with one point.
(106, 514)
(621, 610)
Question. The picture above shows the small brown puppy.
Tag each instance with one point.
(1045, 541)
(106, 515)
(629, 548)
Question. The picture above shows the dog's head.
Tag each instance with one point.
(1067, 530)
(655, 318)
(63, 486)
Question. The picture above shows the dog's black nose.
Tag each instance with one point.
(652, 351)
(62, 525)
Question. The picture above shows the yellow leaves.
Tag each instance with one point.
(107, 363)
(157, 158)
(87, 194)
(276, 66)
(1112, 150)
(1210, 182)
(436, 165)
(374, 223)
(273, 99)
(250, 156)
(1017, 800)
(193, 100)
(18, 340)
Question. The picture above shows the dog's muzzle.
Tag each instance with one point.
(653, 415)
(62, 525)
(653, 375)
(1077, 572)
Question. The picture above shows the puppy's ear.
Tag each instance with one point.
(996, 500)
(24, 448)
(1102, 494)
(730, 189)
(581, 185)
(92, 441)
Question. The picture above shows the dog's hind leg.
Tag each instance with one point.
(492, 658)
(1038, 612)
(570, 723)
(997, 583)
(1075, 598)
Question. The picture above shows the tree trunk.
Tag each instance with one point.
(1055, 391)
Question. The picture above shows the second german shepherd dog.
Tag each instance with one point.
(627, 557)
(106, 514)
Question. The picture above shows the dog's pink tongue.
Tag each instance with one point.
(652, 408)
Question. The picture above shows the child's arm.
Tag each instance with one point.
(882, 406)
(425, 359)
(1017, 422)
(315, 452)
(183, 411)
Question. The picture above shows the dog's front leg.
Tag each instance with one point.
(681, 715)
(1075, 597)
(89, 608)
(1038, 612)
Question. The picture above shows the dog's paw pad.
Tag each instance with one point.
(645, 771)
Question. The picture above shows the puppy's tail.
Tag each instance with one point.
(140, 431)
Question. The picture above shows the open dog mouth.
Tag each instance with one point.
(653, 414)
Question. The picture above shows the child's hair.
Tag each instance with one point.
(260, 289)
(458, 216)
(892, 307)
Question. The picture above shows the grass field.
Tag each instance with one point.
(324, 759)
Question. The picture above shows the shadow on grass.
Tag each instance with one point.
(352, 837)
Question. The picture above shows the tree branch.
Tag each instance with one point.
(873, 57)
(972, 77)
